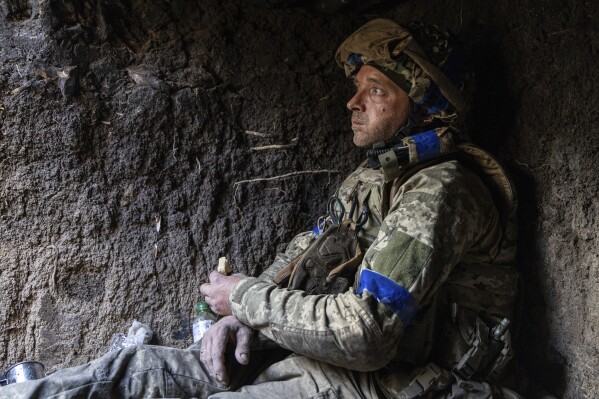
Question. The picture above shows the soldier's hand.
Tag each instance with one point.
(217, 292)
(214, 343)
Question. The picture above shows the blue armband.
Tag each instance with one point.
(390, 293)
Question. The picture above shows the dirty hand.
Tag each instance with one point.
(217, 292)
(214, 343)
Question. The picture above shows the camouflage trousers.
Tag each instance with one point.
(160, 372)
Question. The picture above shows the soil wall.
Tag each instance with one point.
(135, 137)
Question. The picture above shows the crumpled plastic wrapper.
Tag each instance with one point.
(138, 334)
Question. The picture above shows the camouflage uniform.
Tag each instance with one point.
(442, 246)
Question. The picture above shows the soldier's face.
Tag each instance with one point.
(379, 107)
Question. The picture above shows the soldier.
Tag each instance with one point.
(404, 290)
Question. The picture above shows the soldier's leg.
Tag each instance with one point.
(137, 371)
(300, 377)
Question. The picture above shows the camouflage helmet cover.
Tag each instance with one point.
(428, 77)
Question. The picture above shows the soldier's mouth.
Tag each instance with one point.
(357, 122)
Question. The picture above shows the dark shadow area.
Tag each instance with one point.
(15, 10)
(492, 126)
(543, 368)
(493, 106)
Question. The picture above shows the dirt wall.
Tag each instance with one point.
(117, 117)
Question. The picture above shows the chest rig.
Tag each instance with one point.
(479, 296)
(471, 311)
(330, 264)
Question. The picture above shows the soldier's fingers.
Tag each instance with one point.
(205, 351)
(242, 349)
(218, 358)
(215, 276)
(205, 288)
(209, 301)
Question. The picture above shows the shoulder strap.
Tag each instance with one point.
(391, 188)
(478, 161)
(493, 175)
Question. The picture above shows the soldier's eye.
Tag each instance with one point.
(377, 91)
(377, 94)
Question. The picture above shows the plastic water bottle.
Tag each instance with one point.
(204, 320)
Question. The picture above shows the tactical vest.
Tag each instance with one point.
(473, 291)
(473, 306)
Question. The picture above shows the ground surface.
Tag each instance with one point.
(119, 116)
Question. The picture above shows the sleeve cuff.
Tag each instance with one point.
(237, 295)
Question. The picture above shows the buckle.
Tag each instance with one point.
(422, 383)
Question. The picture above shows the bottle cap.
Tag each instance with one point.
(202, 307)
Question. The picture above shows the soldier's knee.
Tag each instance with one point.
(146, 356)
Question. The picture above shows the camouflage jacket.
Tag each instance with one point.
(442, 231)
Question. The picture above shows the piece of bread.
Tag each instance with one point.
(224, 267)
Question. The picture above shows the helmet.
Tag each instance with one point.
(422, 60)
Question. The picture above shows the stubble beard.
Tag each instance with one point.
(365, 136)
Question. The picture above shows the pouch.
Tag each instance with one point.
(328, 265)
